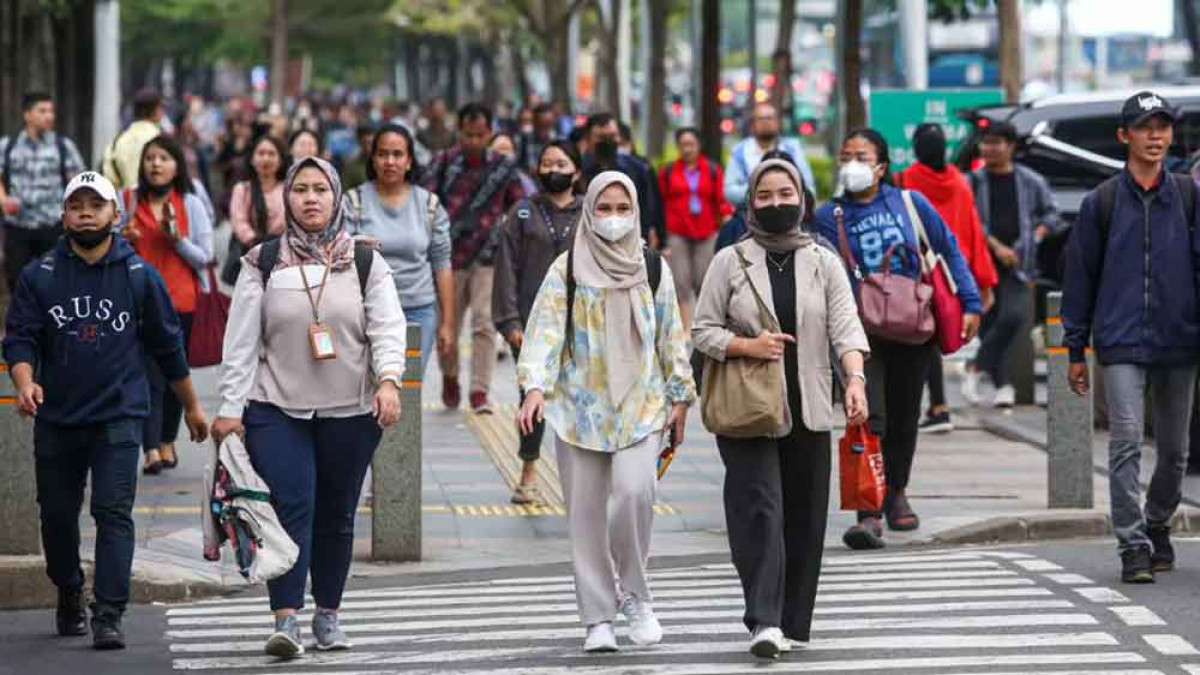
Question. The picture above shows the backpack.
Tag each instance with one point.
(1106, 197)
(135, 267)
(364, 256)
(60, 143)
(654, 265)
(354, 201)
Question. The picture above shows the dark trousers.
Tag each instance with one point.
(162, 424)
(315, 470)
(22, 246)
(63, 457)
(530, 449)
(1014, 304)
(936, 378)
(776, 505)
(895, 380)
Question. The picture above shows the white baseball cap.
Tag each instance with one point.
(90, 180)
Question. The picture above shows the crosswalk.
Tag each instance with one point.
(950, 613)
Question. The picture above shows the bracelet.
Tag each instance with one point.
(859, 375)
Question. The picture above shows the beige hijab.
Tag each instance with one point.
(618, 268)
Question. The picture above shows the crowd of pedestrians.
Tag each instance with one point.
(600, 272)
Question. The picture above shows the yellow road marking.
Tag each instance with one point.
(471, 510)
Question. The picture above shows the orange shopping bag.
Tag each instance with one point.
(861, 465)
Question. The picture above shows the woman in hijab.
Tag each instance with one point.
(611, 374)
(777, 486)
(313, 359)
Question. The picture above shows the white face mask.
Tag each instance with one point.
(856, 176)
(613, 228)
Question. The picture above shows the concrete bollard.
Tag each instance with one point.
(1069, 428)
(396, 471)
(20, 530)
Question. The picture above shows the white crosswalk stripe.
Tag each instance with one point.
(927, 612)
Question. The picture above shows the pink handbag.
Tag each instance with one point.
(891, 306)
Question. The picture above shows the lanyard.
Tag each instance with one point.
(316, 304)
(559, 238)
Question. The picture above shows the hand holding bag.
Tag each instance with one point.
(947, 308)
(860, 463)
(742, 397)
(208, 325)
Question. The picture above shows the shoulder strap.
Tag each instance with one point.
(925, 251)
(570, 331)
(1106, 199)
(653, 268)
(839, 219)
(431, 212)
(268, 255)
(1187, 190)
(364, 256)
(354, 199)
(61, 142)
(139, 284)
(768, 319)
(8, 150)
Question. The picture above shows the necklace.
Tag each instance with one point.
(780, 264)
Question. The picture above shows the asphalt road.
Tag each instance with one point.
(1046, 608)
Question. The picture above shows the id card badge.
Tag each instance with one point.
(320, 338)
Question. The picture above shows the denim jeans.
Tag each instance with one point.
(427, 317)
(315, 470)
(1172, 389)
(63, 456)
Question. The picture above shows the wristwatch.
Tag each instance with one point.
(859, 375)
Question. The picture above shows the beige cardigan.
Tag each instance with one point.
(826, 315)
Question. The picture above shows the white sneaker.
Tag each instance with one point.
(644, 628)
(767, 643)
(600, 638)
(970, 386)
(1006, 397)
(790, 645)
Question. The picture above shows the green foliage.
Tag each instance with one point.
(823, 170)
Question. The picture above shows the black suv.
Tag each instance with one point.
(1071, 139)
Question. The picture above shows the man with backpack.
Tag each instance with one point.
(82, 320)
(35, 165)
(1133, 266)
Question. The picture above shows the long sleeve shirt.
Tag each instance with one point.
(242, 218)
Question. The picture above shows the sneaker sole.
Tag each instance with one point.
(1139, 578)
(1164, 567)
(283, 647)
(643, 642)
(601, 649)
(766, 649)
(943, 428)
(335, 647)
(861, 540)
(108, 645)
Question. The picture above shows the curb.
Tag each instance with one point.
(24, 585)
(1050, 526)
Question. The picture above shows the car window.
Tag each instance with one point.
(1097, 134)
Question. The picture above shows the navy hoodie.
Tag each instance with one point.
(1139, 302)
(78, 326)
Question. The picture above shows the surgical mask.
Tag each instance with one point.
(778, 218)
(555, 182)
(89, 239)
(856, 176)
(613, 228)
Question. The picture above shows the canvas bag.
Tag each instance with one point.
(947, 308)
(208, 325)
(860, 465)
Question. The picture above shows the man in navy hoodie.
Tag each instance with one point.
(81, 318)
(1133, 270)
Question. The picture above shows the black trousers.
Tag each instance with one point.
(936, 378)
(23, 246)
(896, 376)
(776, 505)
(530, 449)
(166, 411)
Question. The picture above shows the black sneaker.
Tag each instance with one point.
(936, 424)
(1163, 558)
(106, 631)
(70, 618)
(1136, 567)
(865, 536)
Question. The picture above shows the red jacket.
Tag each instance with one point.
(676, 195)
(950, 194)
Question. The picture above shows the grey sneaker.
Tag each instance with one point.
(328, 632)
(285, 643)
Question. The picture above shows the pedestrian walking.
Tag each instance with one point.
(36, 164)
(535, 233)
(169, 228)
(412, 231)
(695, 208)
(870, 219)
(77, 329)
(765, 135)
(305, 143)
(1131, 284)
(310, 379)
(123, 159)
(534, 140)
(606, 363)
(1018, 212)
(436, 133)
(477, 188)
(256, 209)
(947, 190)
(506, 146)
(602, 134)
(777, 486)
(233, 152)
(355, 170)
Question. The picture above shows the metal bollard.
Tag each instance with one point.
(396, 471)
(1069, 428)
(20, 531)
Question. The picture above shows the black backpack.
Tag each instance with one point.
(364, 255)
(654, 265)
(1106, 197)
(60, 143)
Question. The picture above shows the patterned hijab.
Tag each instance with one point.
(783, 241)
(301, 247)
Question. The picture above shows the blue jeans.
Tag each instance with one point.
(63, 456)
(315, 470)
(427, 317)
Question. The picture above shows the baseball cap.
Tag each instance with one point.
(90, 180)
(1144, 105)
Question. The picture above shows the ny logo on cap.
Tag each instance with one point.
(88, 177)
(1150, 102)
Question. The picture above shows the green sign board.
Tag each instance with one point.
(895, 113)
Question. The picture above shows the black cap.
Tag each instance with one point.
(1003, 129)
(1144, 105)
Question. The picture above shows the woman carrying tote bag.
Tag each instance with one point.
(778, 296)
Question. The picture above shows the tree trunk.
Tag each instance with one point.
(518, 66)
(655, 104)
(279, 52)
(558, 61)
(710, 74)
(781, 60)
(1011, 70)
(610, 56)
(856, 107)
(1191, 23)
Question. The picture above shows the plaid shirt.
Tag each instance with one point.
(34, 177)
(492, 188)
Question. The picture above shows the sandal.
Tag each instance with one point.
(865, 536)
(168, 451)
(900, 516)
(526, 494)
(153, 465)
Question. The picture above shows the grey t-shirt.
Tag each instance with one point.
(413, 249)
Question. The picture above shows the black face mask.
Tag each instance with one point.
(778, 219)
(606, 150)
(555, 182)
(158, 190)
(88, 239)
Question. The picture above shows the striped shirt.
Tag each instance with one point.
(34, 174)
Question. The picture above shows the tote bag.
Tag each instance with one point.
(947, 308)
(208, 325)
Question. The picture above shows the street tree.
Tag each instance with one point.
(548, 21)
